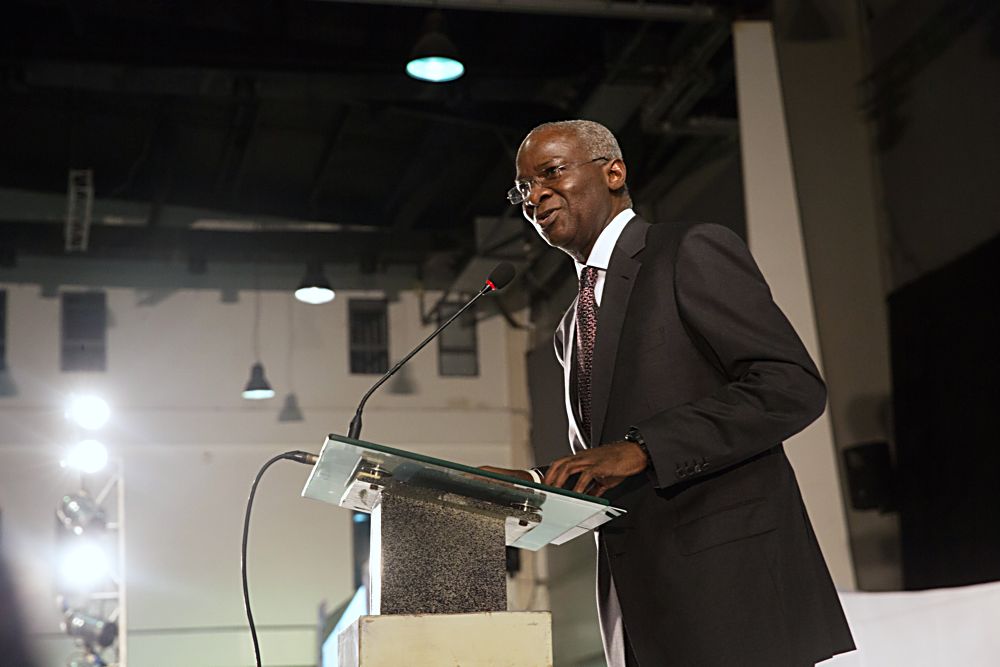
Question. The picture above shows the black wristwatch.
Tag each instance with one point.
(634, 435)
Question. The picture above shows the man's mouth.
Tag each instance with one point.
(545, 215)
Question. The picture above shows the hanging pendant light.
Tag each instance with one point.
(258, 387)
(290, 411)
(314, 288)
(435, 56)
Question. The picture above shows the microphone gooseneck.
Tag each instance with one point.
(499, 278)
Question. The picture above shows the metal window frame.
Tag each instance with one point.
(444, 310)
(354, 307)
(96, 345)
(3, 329)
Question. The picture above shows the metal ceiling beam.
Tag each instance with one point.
(272, 245)
(163, 162)
(241, 133)
(637, 11)
(271, 84)
(326, 162)
(688, 81)
(166, 276)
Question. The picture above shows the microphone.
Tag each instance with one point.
(499, 278)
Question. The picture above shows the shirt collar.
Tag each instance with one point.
(600, 255)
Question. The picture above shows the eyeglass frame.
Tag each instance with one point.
(516, 197)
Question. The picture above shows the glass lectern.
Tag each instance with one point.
(439, 528)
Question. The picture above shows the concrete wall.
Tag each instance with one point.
(941, 150)
(191, 445)
(887, 191)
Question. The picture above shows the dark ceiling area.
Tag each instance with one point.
(287, 131)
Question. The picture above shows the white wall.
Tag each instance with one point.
(191, 445)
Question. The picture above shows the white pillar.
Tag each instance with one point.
(774, 234)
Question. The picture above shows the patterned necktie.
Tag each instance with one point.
(586, 334)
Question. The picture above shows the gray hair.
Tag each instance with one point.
(594, 137)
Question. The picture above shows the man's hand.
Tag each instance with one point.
(600, 468)
(520, 474)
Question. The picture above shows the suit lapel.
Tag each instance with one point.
(618, 282)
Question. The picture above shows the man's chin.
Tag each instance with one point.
(556, 241)
(554, 235)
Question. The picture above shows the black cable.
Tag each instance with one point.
(301, 457)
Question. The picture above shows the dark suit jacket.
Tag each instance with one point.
(716, 562)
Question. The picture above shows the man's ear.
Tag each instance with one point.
(615, 173)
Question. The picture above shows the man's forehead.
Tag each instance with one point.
(545, 144)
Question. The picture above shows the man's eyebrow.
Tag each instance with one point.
(557, 159)
(547, 162)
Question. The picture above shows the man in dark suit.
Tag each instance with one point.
(682, 380)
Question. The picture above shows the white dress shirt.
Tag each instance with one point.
(600, 254)
(600, 257)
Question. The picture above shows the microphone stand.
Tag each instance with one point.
(354, 431)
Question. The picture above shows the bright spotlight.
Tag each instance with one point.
(83, 565)
(91, 629)
(90, 412)
(87, 456)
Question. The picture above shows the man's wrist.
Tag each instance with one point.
(634, 436)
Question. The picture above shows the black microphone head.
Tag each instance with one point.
(501, 276)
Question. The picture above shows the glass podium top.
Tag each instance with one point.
(353, 473)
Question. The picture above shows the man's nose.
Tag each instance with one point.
(536, 195)
(530, 203)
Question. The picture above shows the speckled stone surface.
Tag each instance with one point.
(438, 557)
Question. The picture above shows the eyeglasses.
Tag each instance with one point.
(547, 177)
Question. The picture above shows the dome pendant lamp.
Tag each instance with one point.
(314, 288)
(257, 386)
(435, 56)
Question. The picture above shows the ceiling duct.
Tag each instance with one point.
(639, 10)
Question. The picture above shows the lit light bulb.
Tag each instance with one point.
(87, 456)
(436, 69)
(90, 412)
(84, 565)
(315, 295)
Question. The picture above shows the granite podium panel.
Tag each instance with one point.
(439, 528)
(435, 558)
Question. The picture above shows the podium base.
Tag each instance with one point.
(487, 639)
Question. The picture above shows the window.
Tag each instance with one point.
(369, 333)
(84, 331)
(3, 330)
(458, 351)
